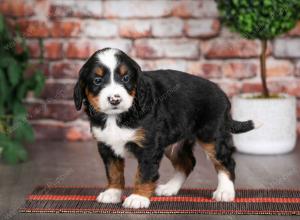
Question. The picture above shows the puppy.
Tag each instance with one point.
(152, 113)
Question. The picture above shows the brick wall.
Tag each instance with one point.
(184, 35)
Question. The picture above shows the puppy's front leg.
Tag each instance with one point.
(114, 167)
(145, 183)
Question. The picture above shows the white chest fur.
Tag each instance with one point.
(114, 136)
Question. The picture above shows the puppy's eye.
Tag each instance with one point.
(97, 81)
(125, 78)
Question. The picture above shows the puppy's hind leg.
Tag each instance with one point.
(183, 161)
(220, 153)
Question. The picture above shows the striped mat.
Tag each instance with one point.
(66, 199)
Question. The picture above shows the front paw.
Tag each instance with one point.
(135, 201)
(110, 196)
(224, 194)
(166, 190)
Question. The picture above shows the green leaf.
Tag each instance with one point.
(19, 109)
(14, 152)
(4, 90)
(22, 89)
(1, 24)
(22, 130)
(5, 60)
(40, 82)
(3, 139)
(14, 72)
(10, 154)
(243, 16)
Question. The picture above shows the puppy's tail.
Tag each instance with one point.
(237, 127)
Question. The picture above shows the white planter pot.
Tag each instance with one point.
(278, 119)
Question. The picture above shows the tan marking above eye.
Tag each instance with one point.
(123, 70)
(99, 71)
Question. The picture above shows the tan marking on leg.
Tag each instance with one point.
(181, 162)
(93, 100)
(116, 174)
(139, 137)
(210, 150)
(143, 189)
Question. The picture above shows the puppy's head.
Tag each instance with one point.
(107, 82)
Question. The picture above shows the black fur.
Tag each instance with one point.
(241, 126)
(170, 106)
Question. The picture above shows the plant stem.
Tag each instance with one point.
(263, 74)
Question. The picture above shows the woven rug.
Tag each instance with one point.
(65, 199)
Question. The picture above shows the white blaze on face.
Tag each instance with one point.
(109, 59)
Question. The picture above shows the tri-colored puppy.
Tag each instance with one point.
(152, 113)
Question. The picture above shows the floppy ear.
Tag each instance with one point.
(78, 96)
(144, 94)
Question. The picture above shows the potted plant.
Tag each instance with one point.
(263, 20)
(14, 86)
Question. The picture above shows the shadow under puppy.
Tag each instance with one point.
(152, 113)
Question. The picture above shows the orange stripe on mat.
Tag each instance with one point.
(165, 199)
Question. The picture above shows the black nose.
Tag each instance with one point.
(114, 100)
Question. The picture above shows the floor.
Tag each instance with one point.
(59, 163)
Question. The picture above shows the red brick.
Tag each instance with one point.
(53, 50)
(36, 65)
(65, 69)
(96, 28)
(255, 86)
(62, 110)
(17, 8)
(33, 28)
(205, 69)
(202, 27)
(162, 64)
(32, 45)
(123, 44)
(227, 48)
(79, 49)
(287, 48)
(195, 8)
(49, 130)
(298, 109)
(75, 8)
(135, 28)
(56, 130)
(83, 49)
(230, 88)
(58, 90)
(141, 9)
(297, 71)
(292, 87)
(157, 48)
(78, 131)
(250, 87)
(65, 29)
(295, 31)
(239, 70)
(279, 67)
(170, 27)
(34, 48)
